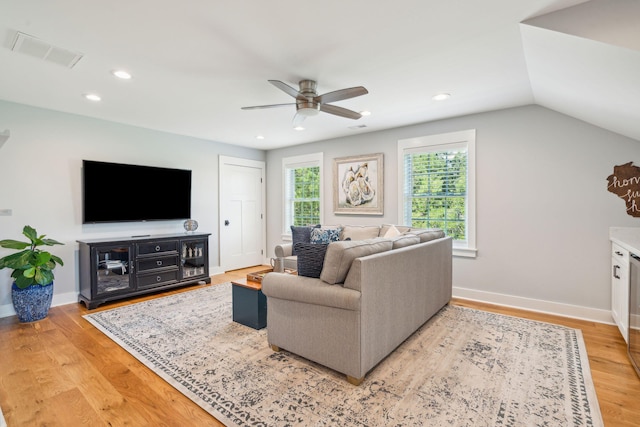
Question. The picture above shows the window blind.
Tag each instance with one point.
(435, 188)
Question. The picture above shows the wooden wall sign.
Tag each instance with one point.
(625, 183)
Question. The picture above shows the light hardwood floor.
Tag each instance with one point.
(62, 371)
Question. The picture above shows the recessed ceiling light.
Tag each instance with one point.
(298, 128)
(259, 137)
(121, 74)
(365, 113)
(92, 97)
(441, 96)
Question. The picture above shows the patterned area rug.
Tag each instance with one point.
(462, 368)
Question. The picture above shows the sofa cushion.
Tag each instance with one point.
(359, 232)
(384, 228)
(301, 234)
(404, 240)
(391, 232)
(310, 258)
(427, 234)
(321, 235)
(340, 255)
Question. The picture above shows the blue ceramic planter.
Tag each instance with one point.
(32, 303)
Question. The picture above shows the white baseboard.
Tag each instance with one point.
(540, 306)
(215, 271)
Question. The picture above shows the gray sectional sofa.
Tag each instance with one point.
(371, 295)
(356, 232)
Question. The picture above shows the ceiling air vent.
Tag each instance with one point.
(32, 46)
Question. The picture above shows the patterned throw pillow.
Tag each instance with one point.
(310, 258)
(301, 234)
(319, 235)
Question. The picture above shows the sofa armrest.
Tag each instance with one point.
(284, 250)
(310, 291)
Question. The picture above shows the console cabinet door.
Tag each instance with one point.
(113, 267)
(194, 258)
(620, 289)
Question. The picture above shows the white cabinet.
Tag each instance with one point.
(620, 288)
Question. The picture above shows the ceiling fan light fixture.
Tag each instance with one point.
(298, 128)
(307, 108)
(309, 112)
(365, 113)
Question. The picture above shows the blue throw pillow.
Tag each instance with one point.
(301, 235)
(310, 258)
(319, 235)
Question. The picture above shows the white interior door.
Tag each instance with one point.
(242, 225)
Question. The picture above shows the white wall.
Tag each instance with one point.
(543, 210)
(40, 180)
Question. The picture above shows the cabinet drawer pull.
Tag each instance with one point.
(618, 253)
(158, 248)
(159, 262)
(158, 279)
(615, 271)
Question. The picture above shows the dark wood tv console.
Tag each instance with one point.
(117, 268)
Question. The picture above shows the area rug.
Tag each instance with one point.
(462, 368)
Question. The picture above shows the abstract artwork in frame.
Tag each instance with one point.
(358, 185)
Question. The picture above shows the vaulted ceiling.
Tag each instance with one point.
(195, 63)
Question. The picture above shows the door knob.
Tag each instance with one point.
(226, 222)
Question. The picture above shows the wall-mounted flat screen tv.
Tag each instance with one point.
(115, 192)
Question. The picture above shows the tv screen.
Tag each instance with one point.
(114, 192)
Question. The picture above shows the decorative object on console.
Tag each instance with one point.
(32, 288)
(358, 185)
(625, 183)
(190, 225)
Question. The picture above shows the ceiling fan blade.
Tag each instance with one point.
(287, 89)
(341, 94)
(255, 107)
(298, 119)
(339, 111)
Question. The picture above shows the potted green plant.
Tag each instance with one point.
(32, 287)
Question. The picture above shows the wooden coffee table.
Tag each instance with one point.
(249, 303)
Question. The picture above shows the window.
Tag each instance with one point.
(437, 186)
(302, 190)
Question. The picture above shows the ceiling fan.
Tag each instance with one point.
(309, 103)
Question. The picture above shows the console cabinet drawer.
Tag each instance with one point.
(157, 263)
(157, 279)
(157, 247)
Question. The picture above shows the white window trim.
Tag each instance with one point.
(306, 160)
(468, 137)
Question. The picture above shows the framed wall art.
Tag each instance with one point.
(358, 185)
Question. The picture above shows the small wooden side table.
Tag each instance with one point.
(249, 303)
